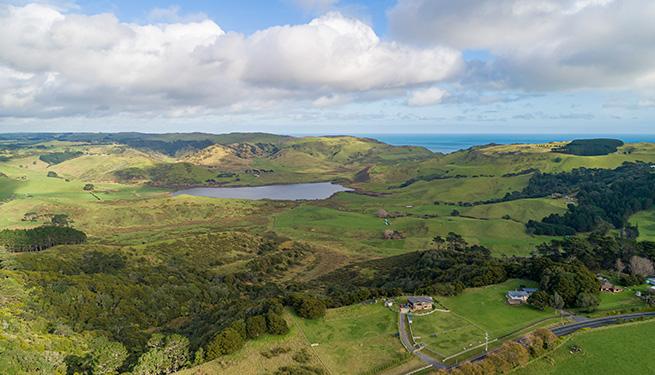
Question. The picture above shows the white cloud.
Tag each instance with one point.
(425, 97)
(541, 44)
(54, 63)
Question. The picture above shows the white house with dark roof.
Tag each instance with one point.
(520, 296)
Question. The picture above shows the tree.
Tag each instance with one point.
(88, 187)
(587, 300)
(166, 354)
(454, 213)
(308, 307)
(547, 336)
(176, 352)
(641, 266)
(275, 324)
(255, 326)
(556, 301)
(226, 342)
(539, 299)
(106, 356)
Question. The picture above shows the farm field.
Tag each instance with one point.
(645, 220)
(362, 233)
(622, 349)
(474, 312)
(355, 339)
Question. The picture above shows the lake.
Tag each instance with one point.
(293, 192)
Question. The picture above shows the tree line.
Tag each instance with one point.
(40, 238)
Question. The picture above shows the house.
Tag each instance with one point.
(388, 303)
(606, 286)
(517, 297)
(650, 281)
(419, 303)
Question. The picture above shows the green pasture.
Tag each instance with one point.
(645, 220)
(362, 233)
(474, 312)
(620, 349)
(355, 339)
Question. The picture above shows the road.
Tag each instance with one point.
(559, 331)
(599, 322)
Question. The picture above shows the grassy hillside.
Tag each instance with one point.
(157, 263)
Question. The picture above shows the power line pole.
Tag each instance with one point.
(486, 341)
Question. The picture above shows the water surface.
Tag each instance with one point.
(294, 192)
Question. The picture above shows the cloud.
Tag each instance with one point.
(541, 44)
(315, 5)
(54, 63)
(425, 97)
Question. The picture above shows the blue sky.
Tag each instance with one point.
(329, 66)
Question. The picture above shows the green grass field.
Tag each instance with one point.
(252, 359)
(474, 312)
(355, 339)
(361, 233)
(645, 220)
(622, 349)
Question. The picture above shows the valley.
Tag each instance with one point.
(298, 286)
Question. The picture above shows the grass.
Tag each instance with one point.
(251, 361)
(645, 220)
(474, 312)
(361, 233)
(622, 300)
(355, 339)
(621, 349)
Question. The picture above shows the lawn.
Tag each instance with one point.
(355, 339)
(621, 349)
(487, 308)
(446, 333)
(622, 300)
(472, 313)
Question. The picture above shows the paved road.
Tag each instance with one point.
(559, 331)
(599, 322)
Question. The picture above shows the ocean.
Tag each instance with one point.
(447, 143)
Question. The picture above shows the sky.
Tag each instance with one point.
(328, 66)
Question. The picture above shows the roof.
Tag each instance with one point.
(419, 299)
(517, 294)
(606, 284)
(530, 290)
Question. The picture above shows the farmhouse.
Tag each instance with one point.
(650, 281)
(517, 297)
(419, 303)
(606, 286)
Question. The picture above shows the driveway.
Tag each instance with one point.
(407, 341)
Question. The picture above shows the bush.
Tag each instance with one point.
(275, 324)
(302, 356)
(308, 307)
(255, 326)
(226, 342)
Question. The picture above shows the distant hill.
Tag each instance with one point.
(590, 147)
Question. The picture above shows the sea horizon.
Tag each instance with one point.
(452, 142)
